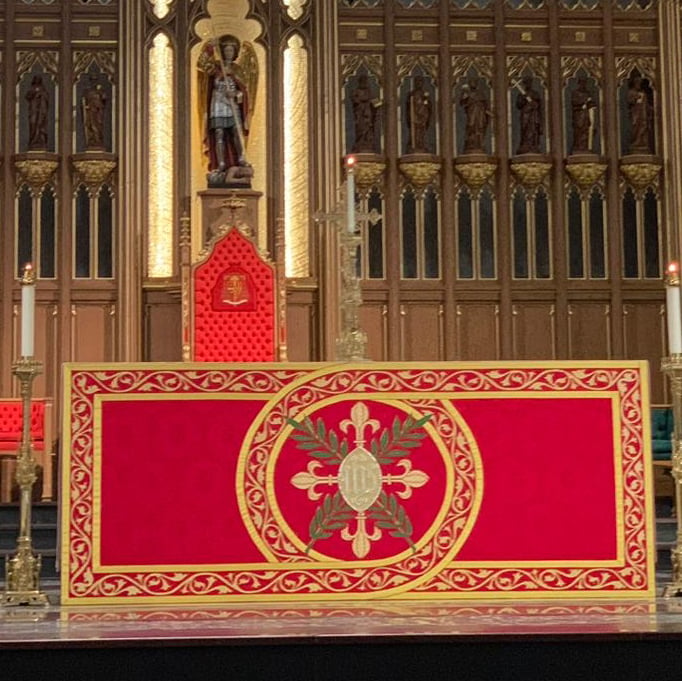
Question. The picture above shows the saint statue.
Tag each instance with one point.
(228, 72)
(641, 114)
(38, 100)
(582, 118)
(418, 111)
(93, 104)
(365, 111)
(477, 110)
(529, 104)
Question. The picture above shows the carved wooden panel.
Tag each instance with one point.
(630, 37)
(478, 332)
(354, 35)
(471, 34)
(47, 384)
(421, 331)
(580, 35)
(162, 327)
(409, 34)
(534, 331)
(645, 338)
(589, 332)
(373, 320)
(300, 330)
(92, 332)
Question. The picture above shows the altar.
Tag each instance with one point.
(216, 483)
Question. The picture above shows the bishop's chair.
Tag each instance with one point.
(232, 300)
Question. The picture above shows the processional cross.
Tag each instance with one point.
(351, 344)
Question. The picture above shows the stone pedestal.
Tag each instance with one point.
(221, 206)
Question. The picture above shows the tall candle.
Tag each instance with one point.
(672, 305)
(28, 304)
(350, 194)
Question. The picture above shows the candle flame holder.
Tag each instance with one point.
(22, 570)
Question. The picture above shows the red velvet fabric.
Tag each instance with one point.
(549, 490)
(168, 493)
(251, 483)
(11, 422)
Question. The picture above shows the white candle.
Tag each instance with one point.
(350, 191)
(28, 304)
(672, 305)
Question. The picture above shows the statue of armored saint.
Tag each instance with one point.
(228, 77)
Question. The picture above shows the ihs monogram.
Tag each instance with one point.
(361, 483)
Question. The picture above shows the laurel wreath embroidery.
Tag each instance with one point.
(335, 513)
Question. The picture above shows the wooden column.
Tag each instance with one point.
(671, 122)
(132, 183)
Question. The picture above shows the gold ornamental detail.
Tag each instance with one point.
(531, 174)
(420, 170)
(93, 172)
(360, 481)
(476, 174)
(585, 175)
(369, 171)
(640, 175)
(37, 171)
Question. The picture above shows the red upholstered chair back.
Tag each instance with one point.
(234, 303)
(11, 424)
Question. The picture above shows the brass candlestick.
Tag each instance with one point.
(672, 367)
(22, 570)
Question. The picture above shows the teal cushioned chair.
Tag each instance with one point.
(661, 434)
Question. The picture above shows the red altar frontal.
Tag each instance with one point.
(318, 482)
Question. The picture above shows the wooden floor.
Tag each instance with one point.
(347, 642)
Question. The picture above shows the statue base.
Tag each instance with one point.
(228, 206)
(531, 169)
(237, 177)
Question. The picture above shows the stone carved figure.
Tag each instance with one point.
(641, 112)
(228, 78)
(418, 112)
(477, 111)
(582, 117)
(365, 113)
(529, 104)
(93, 105)
(38, 100)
